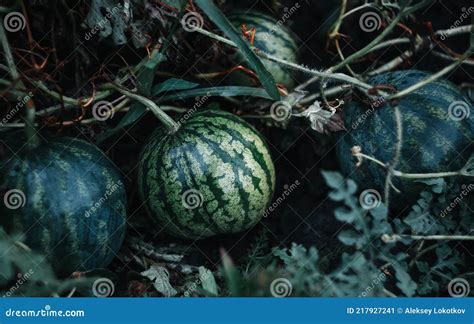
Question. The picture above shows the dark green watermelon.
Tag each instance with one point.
(438, 129)
(213, 176)
(68, 200)
(271, 37)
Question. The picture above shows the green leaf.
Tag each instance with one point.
(438, 185)
(405, 283)
(230, 91)
(334, 180)
(351, 186)
(38, 277)
(208, 280)
(380, 212)
(350, 237)
(343, 215)
(223, 23)
(231, 274)
(173, 84)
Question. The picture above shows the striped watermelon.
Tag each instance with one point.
(213, 176)
(438, 128)
(67, 199)
(271, 37)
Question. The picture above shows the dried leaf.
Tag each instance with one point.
(323, 121)
(161, 280)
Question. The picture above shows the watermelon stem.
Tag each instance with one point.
(317, 74)
(395, 237)
(411, 175)
(431, 78)
(31, 134)
(396, 157)
(169, 123)
(426, 175)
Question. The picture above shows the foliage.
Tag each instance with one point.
(25, 273)
(139, 57)
(375, 265)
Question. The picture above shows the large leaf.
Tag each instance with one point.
(231, 274)
(230, 91)
(173, 85)
(229, 30)
(405, 283)
(208, 280)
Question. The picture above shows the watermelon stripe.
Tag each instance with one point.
(222, 158)
(194, 157)
(264, 160)
(237, 197)
(62, 179)
(432, 141)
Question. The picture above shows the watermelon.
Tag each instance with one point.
(67, 199)
(438, 128)
(272, 38)
(214, 175)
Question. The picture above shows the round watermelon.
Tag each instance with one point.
(67, 199)
(213, 176)
(272, 38)
(438, 128)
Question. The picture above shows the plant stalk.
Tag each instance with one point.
(31, 134)
(169, 123)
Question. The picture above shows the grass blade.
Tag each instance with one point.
(218, 18)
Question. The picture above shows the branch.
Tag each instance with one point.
(170, 124)
(386, 238)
